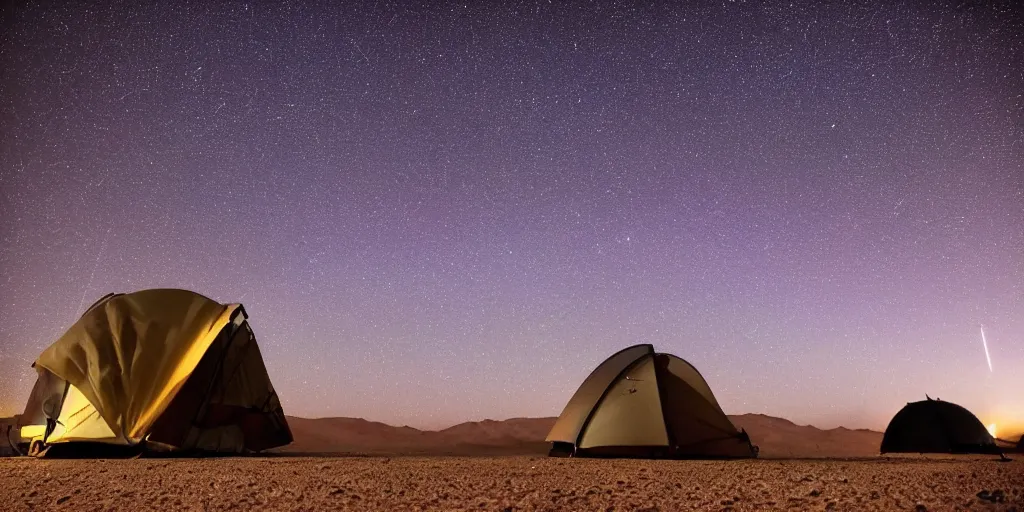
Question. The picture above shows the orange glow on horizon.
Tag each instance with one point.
(1005, 430)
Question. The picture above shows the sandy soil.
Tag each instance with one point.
(512, 483)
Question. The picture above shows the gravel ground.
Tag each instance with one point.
(511, 483)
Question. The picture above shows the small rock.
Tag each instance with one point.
(61, 501)
(815, 493)
(996, 496)
(920, 508)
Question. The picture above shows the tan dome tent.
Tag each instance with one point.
(641, 404)
(154, 370)
(935, 426)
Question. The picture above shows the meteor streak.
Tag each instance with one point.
(88, 284)
(985, 344)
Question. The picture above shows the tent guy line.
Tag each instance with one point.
(92, 275)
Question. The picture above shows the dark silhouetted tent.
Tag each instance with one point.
(935, 426)
(642, 404)
(154, 370)
(8, 446)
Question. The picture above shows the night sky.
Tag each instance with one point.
(450, 213)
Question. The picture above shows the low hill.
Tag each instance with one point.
(776, 437)
(781, 438)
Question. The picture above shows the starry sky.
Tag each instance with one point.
(447, 212)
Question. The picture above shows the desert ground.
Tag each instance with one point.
(501, 465)
(509, 483)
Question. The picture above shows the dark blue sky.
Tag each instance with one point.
(443, 213)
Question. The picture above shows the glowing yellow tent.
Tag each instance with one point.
(156, 369)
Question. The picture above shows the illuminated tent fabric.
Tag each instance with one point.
(167, 369)
(936, 426)
(642, 404)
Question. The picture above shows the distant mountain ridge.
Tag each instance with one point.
(776, 438)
